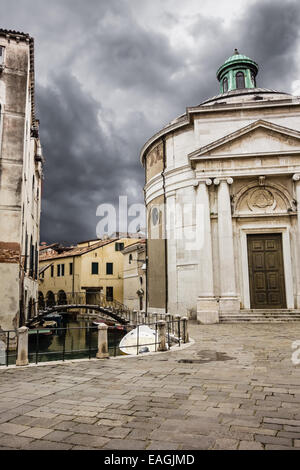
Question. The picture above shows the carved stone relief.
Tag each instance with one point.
(262, 200)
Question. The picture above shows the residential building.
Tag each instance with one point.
(20, 180)
(228, 172)
(134, 275)
(94, 266)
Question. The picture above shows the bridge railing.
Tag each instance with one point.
(81, 298)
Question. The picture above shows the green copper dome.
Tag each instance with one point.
(237, 72)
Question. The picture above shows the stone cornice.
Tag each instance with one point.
(191, 111)
(259, 124)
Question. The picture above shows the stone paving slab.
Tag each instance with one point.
(251, 401)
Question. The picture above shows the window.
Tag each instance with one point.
(71, 269)
(119, 246)
(62, 269)
(58, 270)
(95, 268)
(110, 293)
(225, 85)
(36, 264)
(240, 80)
(31, 261)
(253, 79)
(109, 268)
(130, 259)
(52, 271)
(26, 253)
(1, 55)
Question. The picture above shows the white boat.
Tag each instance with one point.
(140, 340)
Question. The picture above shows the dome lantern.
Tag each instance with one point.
(237, 72)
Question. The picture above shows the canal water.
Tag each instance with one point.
(77, 340)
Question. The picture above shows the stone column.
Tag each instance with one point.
(185, 334)
(172, 250)
(207, 305)
(161, 329)
(296, 179)
(229, 301)
(102, 342)
(22, 358)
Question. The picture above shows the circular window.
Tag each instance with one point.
(155, 216)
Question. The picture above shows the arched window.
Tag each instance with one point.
(50, 299)
(62, 298)
(41, 301)
(240, 80)
(225, 85)
(253, 79)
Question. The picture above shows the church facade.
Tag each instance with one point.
(223, 199)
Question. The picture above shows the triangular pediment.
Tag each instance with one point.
(258, 138)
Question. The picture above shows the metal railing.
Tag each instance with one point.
(8, 344)
(61, 344)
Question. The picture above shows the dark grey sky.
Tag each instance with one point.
(111, 73)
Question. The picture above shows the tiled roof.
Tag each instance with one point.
(77, 251)
(134, 246)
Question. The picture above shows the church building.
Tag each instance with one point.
(223, 204)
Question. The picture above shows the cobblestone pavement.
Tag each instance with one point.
(246, 398)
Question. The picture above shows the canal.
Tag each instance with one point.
(76, 339)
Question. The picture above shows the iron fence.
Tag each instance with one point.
(8, 347)
(56, 343)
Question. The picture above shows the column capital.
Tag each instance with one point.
(206, 181)
(296, 177)
(218, 180)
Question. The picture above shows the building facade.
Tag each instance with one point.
(20, 181)
(134, 276)
(91, 267)
(223, 196)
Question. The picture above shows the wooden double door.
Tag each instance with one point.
(266, 271)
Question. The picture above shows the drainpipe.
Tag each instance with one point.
(146, 252)
(73, 277)
(165, 210)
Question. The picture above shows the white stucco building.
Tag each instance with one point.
(232, 165)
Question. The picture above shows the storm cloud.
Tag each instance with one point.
(110, 74)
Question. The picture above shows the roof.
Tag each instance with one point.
(235, 60)
(134, 246)
(218, 103)
(77, 251)
(10, 33)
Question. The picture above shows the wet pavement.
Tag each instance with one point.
(236, 387)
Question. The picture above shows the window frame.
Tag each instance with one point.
(109, 298)
(240, 76)
(111, 266)
(92, 269)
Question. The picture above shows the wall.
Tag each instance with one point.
(19, 198)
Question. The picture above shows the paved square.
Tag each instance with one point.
(235, 388)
